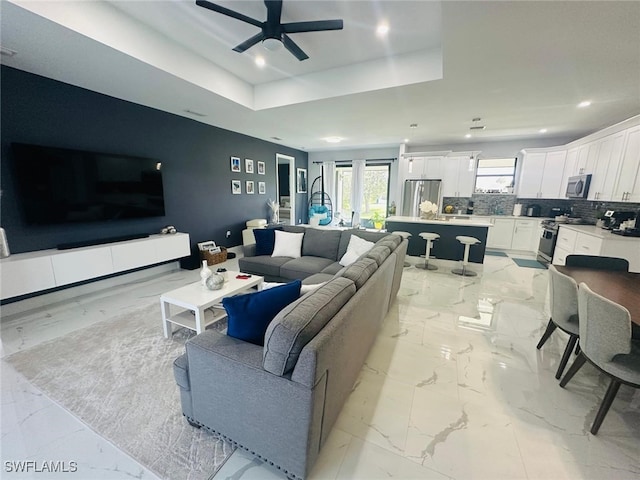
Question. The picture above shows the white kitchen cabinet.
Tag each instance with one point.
(525, 235)
(542, 175)
(605, 172)
(423, 167)
(570, 169)
(590, 240)
(458, 176)
(627, 187)
(501, 234)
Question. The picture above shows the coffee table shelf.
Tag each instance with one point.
(201, 307)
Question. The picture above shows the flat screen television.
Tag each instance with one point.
(57, 185)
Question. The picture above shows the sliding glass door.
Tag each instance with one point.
(375, 188)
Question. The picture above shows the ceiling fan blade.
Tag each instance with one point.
(229, 13)
(258, 37)
(293, 48)
(274, 11)
(313, 26)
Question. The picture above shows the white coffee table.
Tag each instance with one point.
(198, 299)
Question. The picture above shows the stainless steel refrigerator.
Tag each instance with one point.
(416, 192)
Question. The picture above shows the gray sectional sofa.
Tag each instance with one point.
(322, 249)
(279, 401)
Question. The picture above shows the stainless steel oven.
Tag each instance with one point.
(547, 241)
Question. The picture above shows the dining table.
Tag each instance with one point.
(620, 287)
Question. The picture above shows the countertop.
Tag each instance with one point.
(466, 221)
(599, 233)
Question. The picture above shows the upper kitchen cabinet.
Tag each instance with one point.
(423, 167)
(587, 158)
(458, 176)
(606, 167)
(541, 175)
(627, 188)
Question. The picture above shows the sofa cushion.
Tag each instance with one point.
(287, 244)
(264, 265)
(265, 240)
(391, 241)
(294, 229)
(356, 248)
(346, 236)
(249, 315)
(303, 267)
(317, 279)
(379, 253)
(321, 243)
(360, 271)
(181, 371)
(332, 269)
(299, 322)
(304, 289)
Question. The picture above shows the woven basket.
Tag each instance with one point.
(213, 258)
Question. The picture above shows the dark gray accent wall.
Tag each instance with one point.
(195, 158)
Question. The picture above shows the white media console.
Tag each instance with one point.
(32, 272)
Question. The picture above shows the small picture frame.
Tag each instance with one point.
(301, 177)
(261, 168)
(235, 164)
(249, 187)
(236, 187)
(262, 188)
(248, 165)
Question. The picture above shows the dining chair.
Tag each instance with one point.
(564, 313)
(600, 263)
(605, 338)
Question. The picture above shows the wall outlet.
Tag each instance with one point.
(228, 233)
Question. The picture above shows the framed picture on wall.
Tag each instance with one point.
(262, 188)
(236, 187)
(261, 168)
(301, 176)
(235, 164)
(249, 187)
(248, 165)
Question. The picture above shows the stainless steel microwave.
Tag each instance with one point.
(578, 186)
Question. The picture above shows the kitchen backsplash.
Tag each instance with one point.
(493, 204)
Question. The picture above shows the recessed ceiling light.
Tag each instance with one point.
(260, 61)
(468, 135)
(382, 30)
(543, 130)
(406, 140)
(333, 139)
(584, 104)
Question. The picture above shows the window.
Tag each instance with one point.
(495, 175)
(376, 192)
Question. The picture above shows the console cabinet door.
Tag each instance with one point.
(20, 276)
(82, 264)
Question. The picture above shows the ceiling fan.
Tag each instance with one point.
(273, 32)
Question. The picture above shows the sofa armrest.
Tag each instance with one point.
(249, 250)
(271, 416)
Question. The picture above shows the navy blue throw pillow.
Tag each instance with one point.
(265, 240)
(249, 315)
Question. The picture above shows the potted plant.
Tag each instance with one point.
(377, 218)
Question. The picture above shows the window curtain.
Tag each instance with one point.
(357, 189)
(329, 175)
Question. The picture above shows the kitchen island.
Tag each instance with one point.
(446, 247)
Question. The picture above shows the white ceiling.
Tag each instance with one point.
(520, 66)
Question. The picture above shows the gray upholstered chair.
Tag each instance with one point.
(601, 263)
(564, 313)
(605, 338)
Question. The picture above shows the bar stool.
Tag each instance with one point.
(405, 236)
(467, 242)
(429, 237)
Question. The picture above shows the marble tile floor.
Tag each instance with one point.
(454, 388)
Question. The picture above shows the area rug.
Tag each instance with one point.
(117, 377)
(495, 254)
(527, 263)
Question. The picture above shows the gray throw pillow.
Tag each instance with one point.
(300, 322)
(360, 271)
(321, 243)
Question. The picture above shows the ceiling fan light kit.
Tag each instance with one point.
(273, 32)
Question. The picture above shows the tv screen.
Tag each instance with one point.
(58, 185)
